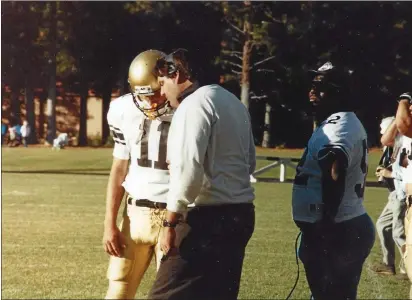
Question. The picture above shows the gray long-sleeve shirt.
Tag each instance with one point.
(211, 151)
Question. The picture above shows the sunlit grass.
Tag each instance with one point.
(53, 210)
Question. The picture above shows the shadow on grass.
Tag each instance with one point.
(99, 172)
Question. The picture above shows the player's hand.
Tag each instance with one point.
(113, 241)
(167, 240)
(378, 170)
(383, 172)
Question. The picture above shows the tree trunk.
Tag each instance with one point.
(121, 80)
(247, 50)
(244, 94)
(267, 127)
(30, 116)
(14, 106)
(107, 98)
(3, 92)
(51, 105)
(84, 93)
(51, 97)
(41, 114)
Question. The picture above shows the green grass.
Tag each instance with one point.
(52, 221)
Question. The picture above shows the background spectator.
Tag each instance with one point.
(25, 131)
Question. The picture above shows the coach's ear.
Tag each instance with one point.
(180, 77)
(176, 77)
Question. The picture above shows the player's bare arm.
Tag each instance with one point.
(388, 138)
(333, 163)
(113, 240)
(404, 117)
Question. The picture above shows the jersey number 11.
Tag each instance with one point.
(144, 160)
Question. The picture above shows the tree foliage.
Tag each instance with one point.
(261, 51)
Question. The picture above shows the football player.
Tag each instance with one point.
(390, 224)
(328, 190)
(404, 125)
(139, 122)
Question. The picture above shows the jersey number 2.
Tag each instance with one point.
(144, 160)
(360, 187)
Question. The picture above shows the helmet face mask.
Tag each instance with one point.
(144, 85)
(151, 109)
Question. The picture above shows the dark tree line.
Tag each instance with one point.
(259, 50)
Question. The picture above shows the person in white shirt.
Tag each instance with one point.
(12, 136)
(61, 141)
(25, 131)
(139, 122)
(390, 224)
(210, 211)
(327, 198)
(404, 125)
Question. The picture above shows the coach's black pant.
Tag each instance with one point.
(333, 256)
(210, 259)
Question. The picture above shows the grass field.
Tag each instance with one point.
(52, 226)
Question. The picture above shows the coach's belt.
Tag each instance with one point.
(146, 203)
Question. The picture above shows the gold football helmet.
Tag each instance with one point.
(144, 84)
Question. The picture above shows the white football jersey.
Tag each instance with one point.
(407, 179)
(407, 147)
(344, 131)
(407, 174)
(144, 143)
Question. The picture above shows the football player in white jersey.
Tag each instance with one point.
(390, 224)
(139, 122)
(404, 124)
(328, 190)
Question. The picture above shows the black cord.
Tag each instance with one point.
(297, 263)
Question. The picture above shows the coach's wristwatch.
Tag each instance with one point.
(166, 223)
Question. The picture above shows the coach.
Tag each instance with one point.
(212, 154)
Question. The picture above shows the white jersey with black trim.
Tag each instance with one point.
(344, 131)
(144, 143)
(407, 149)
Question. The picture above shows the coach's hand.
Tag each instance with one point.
(113, 241)
(167, 240)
